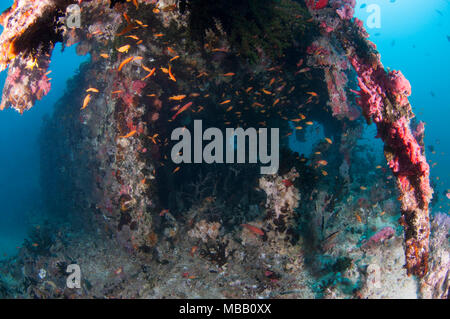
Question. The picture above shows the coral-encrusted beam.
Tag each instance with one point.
(384, 100)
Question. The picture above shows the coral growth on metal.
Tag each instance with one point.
(31, 29)
(383, 98)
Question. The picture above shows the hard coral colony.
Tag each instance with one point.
(157, 65)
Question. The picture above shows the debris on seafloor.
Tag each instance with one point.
(325, 225)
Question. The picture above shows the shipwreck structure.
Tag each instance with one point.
(230, 63)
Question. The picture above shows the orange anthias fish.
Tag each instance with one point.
(151, 72)
(225, 102)
(254, 229)
(129, 134)
(92, 90)
(322, 162)
(124, 48)
(177, 97)
(86, 101)
(124, 62)
(229, 74)
(171, 75)
(184, 108)
(126, 29)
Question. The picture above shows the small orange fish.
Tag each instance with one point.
(174, 58)
(299, 128)
(86, 101)
(104, 55)
(322, 162)
(132, 37)
(202, 74)
(128, 60)
(324, 173)
(225, 102)
(184, 108)
(116, 92)
(35, 244)
(193, 250)
(309, 123)
(266, 92)
(165, 70)
(158, 35)
(126, 29)
(363, 188)
(92, 90)
(254, 229)
(146, 68)
(358, 218)
(220, 50)
(328, 140)
(124, 48)
(129, 134)
(151, 72)
(312, 94)
(171, 75)
(176, 169)
(177, 97)
(229, 74)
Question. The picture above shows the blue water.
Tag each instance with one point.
(412, 38)
(19, 160)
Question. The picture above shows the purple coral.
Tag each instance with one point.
(382, 235)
